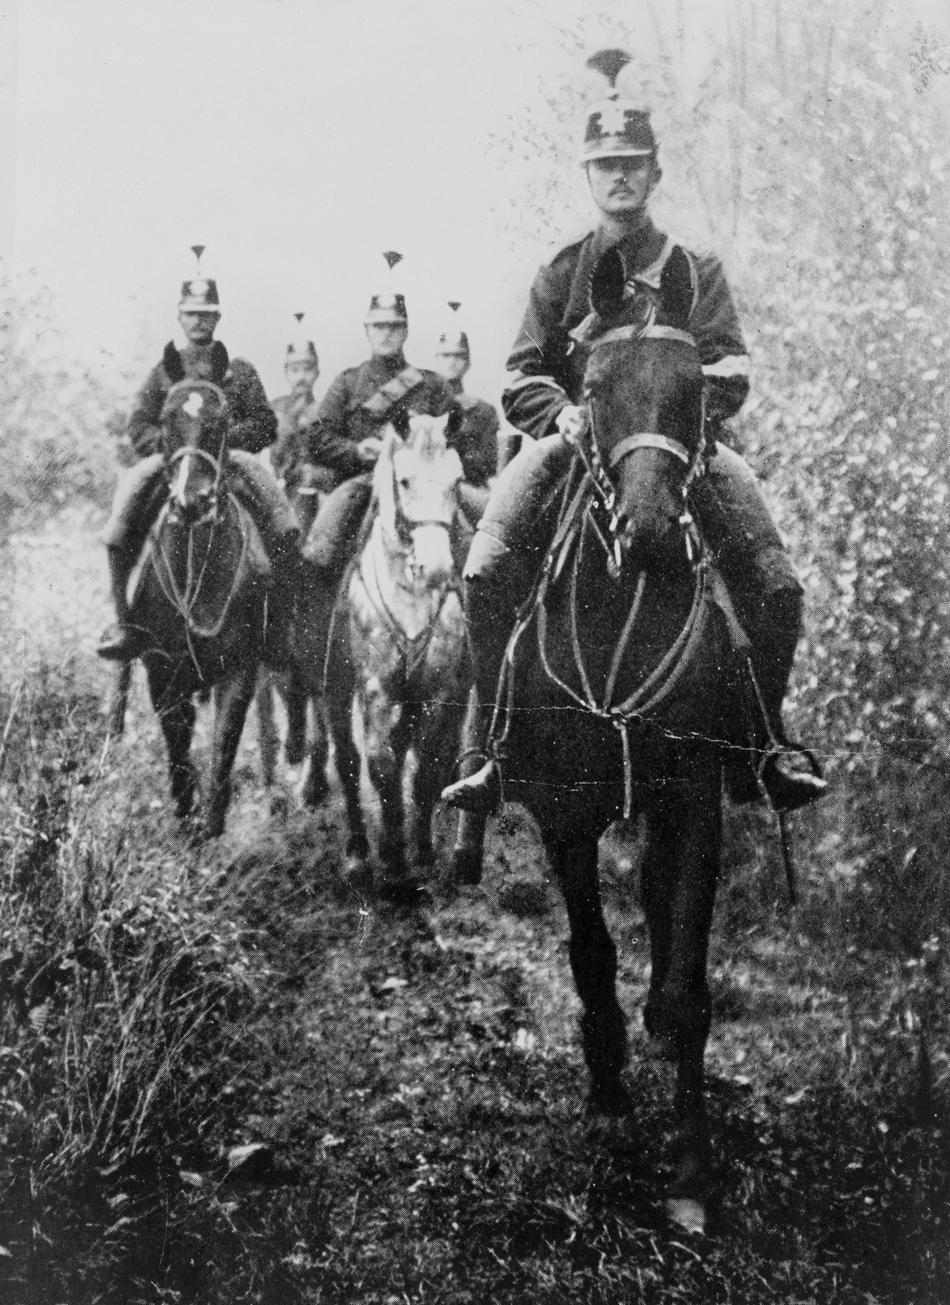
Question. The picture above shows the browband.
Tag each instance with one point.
(652, 332)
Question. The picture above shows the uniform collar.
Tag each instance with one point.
(640, 248)
(196, 360)
(388, 367)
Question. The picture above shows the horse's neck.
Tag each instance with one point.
(203, 559)
(599, 606)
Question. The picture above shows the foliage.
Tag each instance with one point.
(121, 983)
(59, 423)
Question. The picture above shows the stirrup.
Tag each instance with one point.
(481, 792)
(788, 789)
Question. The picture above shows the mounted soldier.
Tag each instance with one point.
(296, 412)
(141, 491)
(544, 398)
(477, 438)
(345, 439)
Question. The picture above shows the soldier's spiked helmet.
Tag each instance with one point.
(199, 294)
(616, 127)
(388, 305)
(300, 349)
(453, 339)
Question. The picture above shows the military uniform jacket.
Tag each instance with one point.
(352, 409)
(253, 424)
(546, 370)
(477, 437)
(295, 413)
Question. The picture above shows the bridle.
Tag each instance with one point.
(589, 451)
(660, 683)
(404, 525)
(184, 596)
(370, 572)
(217, 463)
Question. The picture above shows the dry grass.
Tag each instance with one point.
(411, 1085)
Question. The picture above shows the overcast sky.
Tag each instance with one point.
(296, 139)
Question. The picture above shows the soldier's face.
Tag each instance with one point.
(452, 366)
(620, 187)
(301, 374)
(199, 328)
(386, 339)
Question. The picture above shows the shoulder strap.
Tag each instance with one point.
(395, 389)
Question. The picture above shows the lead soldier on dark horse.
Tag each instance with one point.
(546, 370)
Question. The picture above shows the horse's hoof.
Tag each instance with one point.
(466, 866)
(660, 1046)
(358, 876)
(687, 1213)
(608, 1101)
(316, 790)
(405, 891)
(280, 805)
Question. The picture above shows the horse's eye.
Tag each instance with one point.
(404, 482)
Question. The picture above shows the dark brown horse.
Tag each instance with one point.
(619, 679)
(200, 598)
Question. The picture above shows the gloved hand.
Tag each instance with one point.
(368, 449)
(570, 422)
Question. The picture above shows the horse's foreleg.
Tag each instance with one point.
(317, 783)
(594, 965)
(232, 698)
(681, 869)
(119, 700)
(266, 729)
(387, 729)
(469, 850)
(436, 742)
(295, 703)
(339, 715)
(176, 714)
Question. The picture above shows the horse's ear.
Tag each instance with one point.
(171, 361)
(677, 288)
(400, 420)
(607, 283)
(220, 362)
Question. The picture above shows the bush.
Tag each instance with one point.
(122, 982)
(59, 425)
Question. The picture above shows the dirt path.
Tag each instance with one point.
(416, 1081)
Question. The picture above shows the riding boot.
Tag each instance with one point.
(282, 601)
(789, 774)
(120, 642)
(490, 614)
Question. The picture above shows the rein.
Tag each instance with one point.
(575, 523)
(411, 649)
(185, 597)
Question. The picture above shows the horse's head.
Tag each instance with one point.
(415, 485)
(643, 385)
(195, 427)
